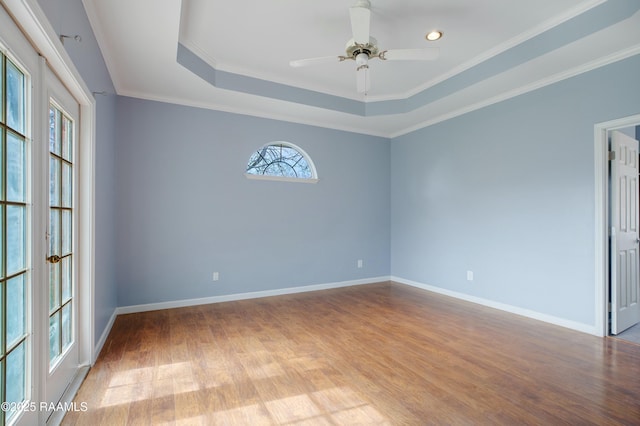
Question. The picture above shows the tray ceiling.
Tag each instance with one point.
(234, 56)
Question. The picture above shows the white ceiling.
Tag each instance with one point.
(257, 38)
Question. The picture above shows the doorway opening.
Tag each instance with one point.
(604, 230)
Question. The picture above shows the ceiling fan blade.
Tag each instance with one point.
(363, 83)
(314, 61)
(427, 54)
(360, 21)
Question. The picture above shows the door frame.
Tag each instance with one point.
(601, 263)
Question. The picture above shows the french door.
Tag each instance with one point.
(61, 128)
(39, 127)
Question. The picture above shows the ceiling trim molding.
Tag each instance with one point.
(259, 113)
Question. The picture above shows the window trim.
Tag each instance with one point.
(314, 173)
(281, 178)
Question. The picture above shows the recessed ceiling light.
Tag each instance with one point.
(434, 35)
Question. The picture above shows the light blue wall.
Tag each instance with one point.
(186, 208)
(68, 17)
(508, 192)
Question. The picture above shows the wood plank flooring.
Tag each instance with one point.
(383, 354)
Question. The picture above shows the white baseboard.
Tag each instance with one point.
(69, 394)
(243, 296)
(103, 337)
(585, 328)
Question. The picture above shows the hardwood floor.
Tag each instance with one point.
(374, 354)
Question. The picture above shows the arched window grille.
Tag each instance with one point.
(281, 161)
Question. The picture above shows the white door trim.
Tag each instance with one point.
(33, 21)
(601, 263)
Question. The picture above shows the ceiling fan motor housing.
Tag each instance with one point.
(353, 49)
(363, 3)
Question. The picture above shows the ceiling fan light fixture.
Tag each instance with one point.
(362, 59)
(434, 35)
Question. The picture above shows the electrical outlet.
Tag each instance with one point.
(216, 276)
(469, 275)
(359, 263)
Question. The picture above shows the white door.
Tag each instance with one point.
(625, 282)
(62, 307)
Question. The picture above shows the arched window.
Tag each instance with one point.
(281, 161)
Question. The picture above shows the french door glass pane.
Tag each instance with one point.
(54, 232)
(67, 139)
(16, 254)
(2, 309)
(1, 88)
(54, 336)
(2, 155)
(15, 98)
(66, 326)
(55, 130)
(15, 309)
(54, 286)
(15, 168)
(52, 129)
(67, 189)
(66, 279)
(54, 182)
(16, 376)
(2, 236)
(66, 232)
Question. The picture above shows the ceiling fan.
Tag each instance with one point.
(363, 47)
